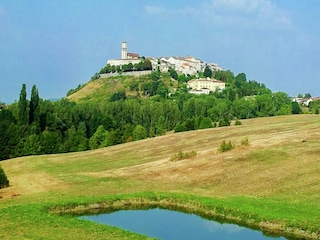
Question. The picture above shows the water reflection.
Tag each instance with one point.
(166, 225)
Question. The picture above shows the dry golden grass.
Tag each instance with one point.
(275, 178)
(282, 160)
(103, 88)
(86, 91)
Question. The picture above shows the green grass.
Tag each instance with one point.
(34, 222)
(272, 182)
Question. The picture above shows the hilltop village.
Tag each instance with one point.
(182, 65)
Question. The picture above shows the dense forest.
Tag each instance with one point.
(38, 126)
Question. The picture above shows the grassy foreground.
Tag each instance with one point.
(272, 183)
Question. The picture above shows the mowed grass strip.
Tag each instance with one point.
(275, 178)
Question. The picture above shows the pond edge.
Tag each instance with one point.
(187, 204)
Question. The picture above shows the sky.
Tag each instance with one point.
(59, 44)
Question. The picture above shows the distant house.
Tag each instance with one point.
(3, 106)
(205, 85)
(302, 101)
(183, 65)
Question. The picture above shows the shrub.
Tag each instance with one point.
(225, 146)
(245, 142)
(3, 179)
(184, 155)
(238, 122)
(180, 127)
(224, 122)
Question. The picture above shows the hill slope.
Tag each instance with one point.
(283, 152)
(281, 163)
(101, 89)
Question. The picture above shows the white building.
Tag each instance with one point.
(205, 85)
(126, 57)
(183, 65)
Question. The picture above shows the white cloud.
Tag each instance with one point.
(237, 13)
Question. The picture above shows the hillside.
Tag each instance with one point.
(279, 166)
(101, 89)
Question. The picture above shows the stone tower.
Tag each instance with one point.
(124, 50)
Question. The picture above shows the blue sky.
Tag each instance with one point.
(58, 44)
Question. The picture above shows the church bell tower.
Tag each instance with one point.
(124, 52)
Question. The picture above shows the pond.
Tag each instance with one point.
(167, 224)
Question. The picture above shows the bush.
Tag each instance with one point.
(245, 142)
(238, 122)
(224, 122)
(3, 179)
(120, 95)
(180, 127)
(183, 155)
(225, 146)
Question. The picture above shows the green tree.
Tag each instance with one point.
(120, 95)
(32, 145)
(83, 143)
(4, 182)
(127, 133)
(189, 124)
(161, 126)
(265, 105)
(34, 112)
(182, 79)
(8, 133)
(23, 116)
(207, 72)
(147, 65)
(71, 140)
(155, 75)
(307, 96)
(51, 141)
(99, 139)
(173, 73)
(205, 122)
(162, 90)
(180, 127)
(139, 133)
(244, 108)
(314, 106)
(296, 108)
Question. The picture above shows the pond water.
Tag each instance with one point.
(167, 224)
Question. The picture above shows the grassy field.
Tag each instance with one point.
(273, 182)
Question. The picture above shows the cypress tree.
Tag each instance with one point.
(23, 106)
(34, 105)
(207, 72)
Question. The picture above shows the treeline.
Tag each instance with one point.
(144, 64)
(38, 126)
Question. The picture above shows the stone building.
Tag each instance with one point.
(183, 65)
(205, 85)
